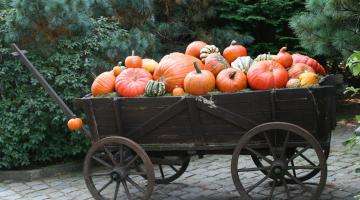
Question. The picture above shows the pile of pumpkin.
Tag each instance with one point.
(202, 68)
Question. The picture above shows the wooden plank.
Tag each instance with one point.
(92, 120)
(157, 120)
(195, 122)
(117, 108)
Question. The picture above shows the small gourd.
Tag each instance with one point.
(308, 79)
(265, 56)
(293, 83)
(75, 124)
(178, 91)
(243, 63)
(208, 49)
(155, 88)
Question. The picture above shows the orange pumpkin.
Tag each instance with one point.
(193, 49)
(173, 68)
(284, 58)
(117, 70)
(231, 80)
(178, 91)
(103, 84)
(215, 63)
(133, 61)
(75, 124)
(299, 68)
(132, 82)
(265, 75)
(234, 51)
(199, 82)
(149, 64)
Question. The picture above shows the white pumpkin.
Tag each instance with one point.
(243, 63)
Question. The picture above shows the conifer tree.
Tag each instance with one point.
(329, 28)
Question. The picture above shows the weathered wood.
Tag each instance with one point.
(195, 122)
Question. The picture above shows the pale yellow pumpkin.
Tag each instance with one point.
(149, 64)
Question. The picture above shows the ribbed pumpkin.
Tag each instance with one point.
(265, 56)
(298, 58)
(133, 61)
(173, 68)
(199, 82)
(299, 68)
(234, 51)
(131, 82)
(193, 49)
(215, 63)
(155, 88)
(284, 58)
(207, 50)
(231, 80)
(308, 79)
(266, 75)
(243, 63)
(103, 84)
(178, 91)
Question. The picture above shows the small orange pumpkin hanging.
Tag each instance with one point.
(103, 84)
(199, 82)
(231, 80)
(215, 63)
(234, 51)
(133, 61)
(178, 91)
(75, 124)
(284, 58)
(193, 49)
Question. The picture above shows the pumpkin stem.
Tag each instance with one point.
(232, 74)
(133, 53)
(283, 49)
(197, 68)
(233, 42)
(119, 63)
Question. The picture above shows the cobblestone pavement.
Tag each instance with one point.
(205, 179)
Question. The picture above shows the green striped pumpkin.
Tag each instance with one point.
(265, 56)
(243, 63)
(155, 88)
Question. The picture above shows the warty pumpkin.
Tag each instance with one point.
(131, 82)
(215, 63)
(265, 56)
(193, 49)
(266, 75)
(173, 68)
(231, 80)
(234, 51)
(298, 58)
(103, 84)
(199, 82)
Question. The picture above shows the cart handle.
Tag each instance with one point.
(69, 113)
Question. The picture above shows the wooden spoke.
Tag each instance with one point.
(293, 165)
(270, 145)
(162, 172)
(128, 179)
(298, 182)
(298, 153)
(127, 192)
(305, 158)
(116, 190)
(103, 162)
(137, 173)
(172, 167)
(110, 155)
(303, 167)
(253, 169)
(121, 154)
(258, 154)
(286, 188)
(132, 161)
(272, 190)
(257, 184)
(285, 145)
(100, 174)
(105, 186)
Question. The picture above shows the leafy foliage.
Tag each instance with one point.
(329, 27)
(353, 63)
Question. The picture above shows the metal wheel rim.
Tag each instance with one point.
(134, 147)
(281, 126)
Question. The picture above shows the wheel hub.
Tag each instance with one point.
(119, 174)
(278, 169)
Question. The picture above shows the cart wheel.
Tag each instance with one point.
(273, 143)
(114, 168)
(303, 176)
(167, 173)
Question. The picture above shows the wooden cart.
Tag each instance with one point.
(138, 142)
